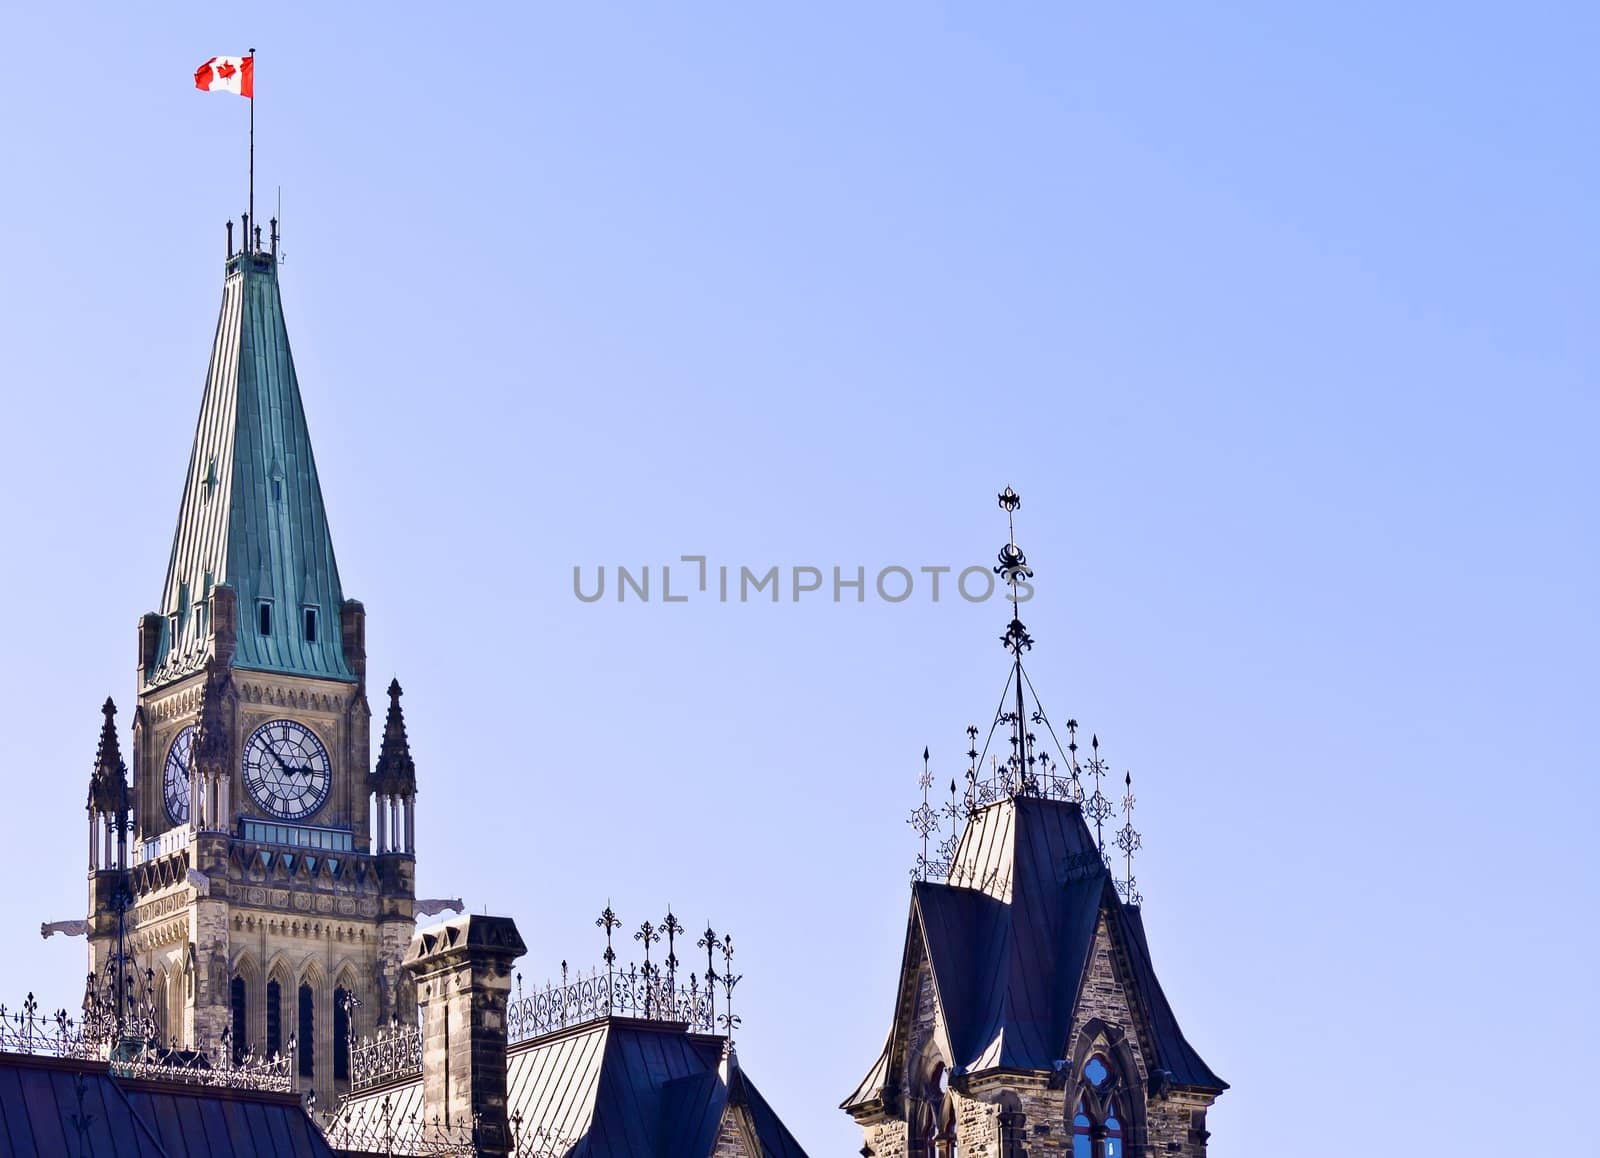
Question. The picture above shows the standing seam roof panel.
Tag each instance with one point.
(252, 434)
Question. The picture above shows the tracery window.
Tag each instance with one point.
(1097, 1119)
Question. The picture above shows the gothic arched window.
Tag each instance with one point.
(945, 1140)
(240, 1027)
(1097, 1121)
(933, 1132)
(274, 1019)
(1113, 1126)
(341, 1035)
(304, 1041)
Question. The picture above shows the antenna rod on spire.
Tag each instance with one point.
(252, 141)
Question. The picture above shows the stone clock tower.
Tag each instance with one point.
(258, 882)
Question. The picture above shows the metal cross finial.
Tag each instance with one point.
(648, 935)
(1013, 569)
(1097, 808)
(671, 926)
(1128, 840)
(972, 768)
(1010, 500)
(608, 921)
(924, 819)
(729, 1020)
(708, 942)
(1075, 786)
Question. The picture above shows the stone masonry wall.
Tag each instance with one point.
(1045, 1129)
(731, 1140)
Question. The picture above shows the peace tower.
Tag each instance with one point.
(257, 866)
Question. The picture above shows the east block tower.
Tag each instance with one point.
(257, 865)
(1028, 1021)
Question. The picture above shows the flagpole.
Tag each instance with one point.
(252, 146)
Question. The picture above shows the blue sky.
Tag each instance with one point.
(1280, 318)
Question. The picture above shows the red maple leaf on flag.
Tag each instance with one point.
(226, 69)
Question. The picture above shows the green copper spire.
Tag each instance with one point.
(252, 518)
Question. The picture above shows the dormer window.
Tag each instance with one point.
(175, 618)
(264, 616)
(277, 490)
(308, 619)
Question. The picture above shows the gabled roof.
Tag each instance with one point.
(1007, 947)
(51, 1106)
(251, 516)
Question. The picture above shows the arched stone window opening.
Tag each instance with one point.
(944, 1142)
(931, 1132)
(239, 1023)
(341, 1035)
(1098, 1123)
(306, 1037)
(274, 1018)
(161, 1008)
(944, 1113)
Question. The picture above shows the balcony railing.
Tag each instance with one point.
(157, 847)
(393, 1054)
(641, 993)
(132, 1054)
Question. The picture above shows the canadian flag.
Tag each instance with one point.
(235, 74)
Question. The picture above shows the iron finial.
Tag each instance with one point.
(671, 926)
(608, 921)
(1129, 841)
(1097, 808)
(708, 942)
(729, 1020)
(923, 819)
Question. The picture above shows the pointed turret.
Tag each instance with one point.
(211, 754)
(396, 774)
(211, 751)
(251, 519)
(108, 783)
(394, 782)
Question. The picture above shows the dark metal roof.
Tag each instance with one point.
(1008, 947)
(620, 1088)
(251, 516)
(775, 1139)
(60, 1106)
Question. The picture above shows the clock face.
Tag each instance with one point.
(175, 776)
(286, 769)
